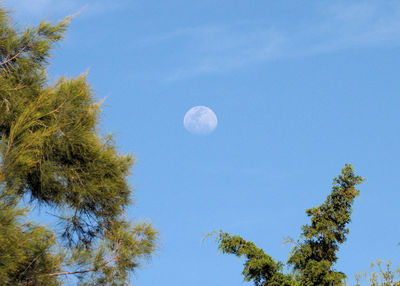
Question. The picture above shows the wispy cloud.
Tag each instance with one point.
(365, 24)
(219, 49)
(328, 27)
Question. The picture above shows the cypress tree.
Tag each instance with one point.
(52, 154)
(314, 254)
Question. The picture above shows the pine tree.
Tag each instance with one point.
(51, 153)
(314, 254)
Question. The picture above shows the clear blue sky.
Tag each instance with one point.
(299, 87)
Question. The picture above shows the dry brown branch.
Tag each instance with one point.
(111, 259)
(20, 52)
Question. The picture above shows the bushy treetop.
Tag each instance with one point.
(314, 254)
(51, 152)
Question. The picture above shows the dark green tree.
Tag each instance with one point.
(314, 254)
(51, 153)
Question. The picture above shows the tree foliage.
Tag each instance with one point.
(51, 153)
(314, 254)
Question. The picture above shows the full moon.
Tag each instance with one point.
(200, 120)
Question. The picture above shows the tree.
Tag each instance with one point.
(51, 153)
(314, 254)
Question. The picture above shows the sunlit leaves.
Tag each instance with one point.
(51, 153)
(313, 256)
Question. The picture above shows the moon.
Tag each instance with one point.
(200, 120)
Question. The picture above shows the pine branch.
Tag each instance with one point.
(111, 259)
(20, 52)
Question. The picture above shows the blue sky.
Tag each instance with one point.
(299, 89)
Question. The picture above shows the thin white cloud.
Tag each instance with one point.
(219, 49)
(213, 49)
(358, 25)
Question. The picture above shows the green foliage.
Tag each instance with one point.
(51, 153)
(259, 267)
(25, 250)
(313, 256)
